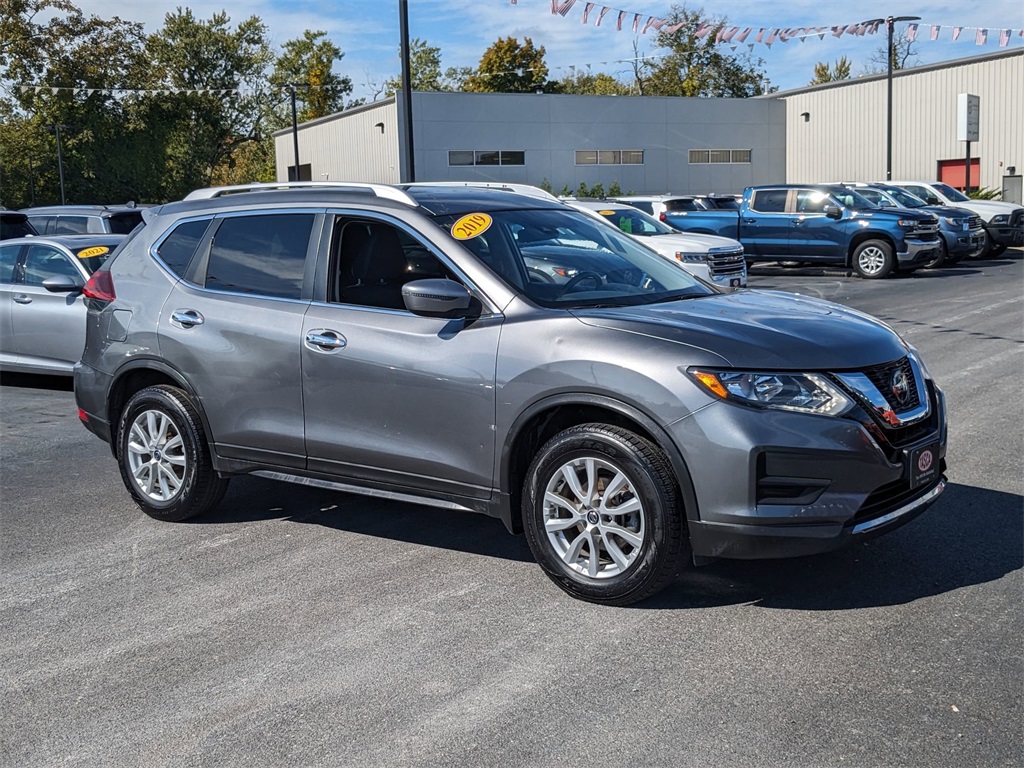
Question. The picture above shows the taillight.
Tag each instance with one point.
(661, 216)
(100, 286)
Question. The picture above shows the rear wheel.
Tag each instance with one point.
(603, 515)
(873, 259)
(164, 457)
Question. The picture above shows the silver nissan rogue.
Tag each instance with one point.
(489, 351)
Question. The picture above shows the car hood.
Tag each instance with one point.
(913, 214)
(989, 208)
(948, 211)
(769, 330)
(689, 243)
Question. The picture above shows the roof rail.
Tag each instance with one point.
(522, 189)
(380, 190)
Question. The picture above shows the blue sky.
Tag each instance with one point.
(367, 30)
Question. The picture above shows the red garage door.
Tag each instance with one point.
(952, 172)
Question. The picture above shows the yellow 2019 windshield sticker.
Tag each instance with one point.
(96, 250)
(470, 226)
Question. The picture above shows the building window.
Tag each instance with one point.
(609, 157)
(702, 156)
(486, 157)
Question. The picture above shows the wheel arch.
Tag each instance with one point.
(547, 417)
(861, 237)
(136, 376)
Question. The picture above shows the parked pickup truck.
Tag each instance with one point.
(820, 223)
(1003, 222)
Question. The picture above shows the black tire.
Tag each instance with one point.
(941, 257)
(996, 251)
(638, 552)
(161, 444)
(986, 249)
(873, 259)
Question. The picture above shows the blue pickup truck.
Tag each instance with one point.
(820, 223)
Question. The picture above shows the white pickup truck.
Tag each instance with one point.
(1003, 222)
(716, 260)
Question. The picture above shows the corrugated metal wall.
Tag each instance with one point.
(356, 145)
(843, 135)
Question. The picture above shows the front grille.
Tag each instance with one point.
(974, 222)
(726, 264)
(1017, 218)
(881, 377)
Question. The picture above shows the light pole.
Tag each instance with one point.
(890, 22)
(403, 17)
(295, 131)
(60, 161)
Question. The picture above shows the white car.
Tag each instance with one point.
(716, 260)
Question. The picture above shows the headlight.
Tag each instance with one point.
(691, 258)
(908, 223)
(801, 392)
(1000, 219)
(955, 223)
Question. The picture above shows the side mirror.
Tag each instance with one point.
(932, 200)
(437, 298)
(833, 211)
(62, 284)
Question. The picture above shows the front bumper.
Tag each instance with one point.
(960, 244)
(1006, 234)
(773, 484)
(917, 252)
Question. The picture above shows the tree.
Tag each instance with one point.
(823, 73)
(218, 98)
(903, 53)
(308, 61)
(508, 67)
(600, 84)
(697, 67)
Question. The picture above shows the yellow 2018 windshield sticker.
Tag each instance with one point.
(470, 226)
(96, 250)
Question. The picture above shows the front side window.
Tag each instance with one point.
(374, 259)
(811, 201)
(264, 254)
(565, 259)
(43, 262)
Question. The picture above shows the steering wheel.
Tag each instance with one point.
(580, 277)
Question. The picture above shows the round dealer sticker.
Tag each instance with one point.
(470, 226)
(924, 461)
(96, 250)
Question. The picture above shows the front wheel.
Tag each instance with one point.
(873, 259)
(164, 457)
(603, 515)
(941, 257)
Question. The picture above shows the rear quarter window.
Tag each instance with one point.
(123, 223)
(177, 249)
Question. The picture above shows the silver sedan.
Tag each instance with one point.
(42, 312)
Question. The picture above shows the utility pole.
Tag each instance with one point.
(403, 15)
(60, 161)
(295, 131)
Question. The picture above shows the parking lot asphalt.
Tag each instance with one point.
(300, 627)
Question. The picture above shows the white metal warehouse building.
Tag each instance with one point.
(831, 132)
(836, 131)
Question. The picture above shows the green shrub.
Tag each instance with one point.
(985, 193)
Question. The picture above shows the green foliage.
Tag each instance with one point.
(425, 71)
(614, 190)
(508, 67)
(308, 63)
(565, 192)
(601, 84)
(546, 186)
(695, 67)
(823, 73)
(985, 193)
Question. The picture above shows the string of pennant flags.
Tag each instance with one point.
(640, 23)
(79, 91)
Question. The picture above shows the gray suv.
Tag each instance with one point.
(395, 342)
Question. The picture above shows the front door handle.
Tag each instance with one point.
(22, 298)
(186, 318)
(325, 339)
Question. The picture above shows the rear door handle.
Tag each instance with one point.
(22, 298)
(186, 318)
(325, 339)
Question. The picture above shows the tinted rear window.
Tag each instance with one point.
(92, 256)
(123, 223)
(178, 248)
(262, 254)
(15, 225)
(770, 200)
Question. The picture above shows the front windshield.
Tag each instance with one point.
(634, 222)
(567, 259)
(904, 198)
(952, 194)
